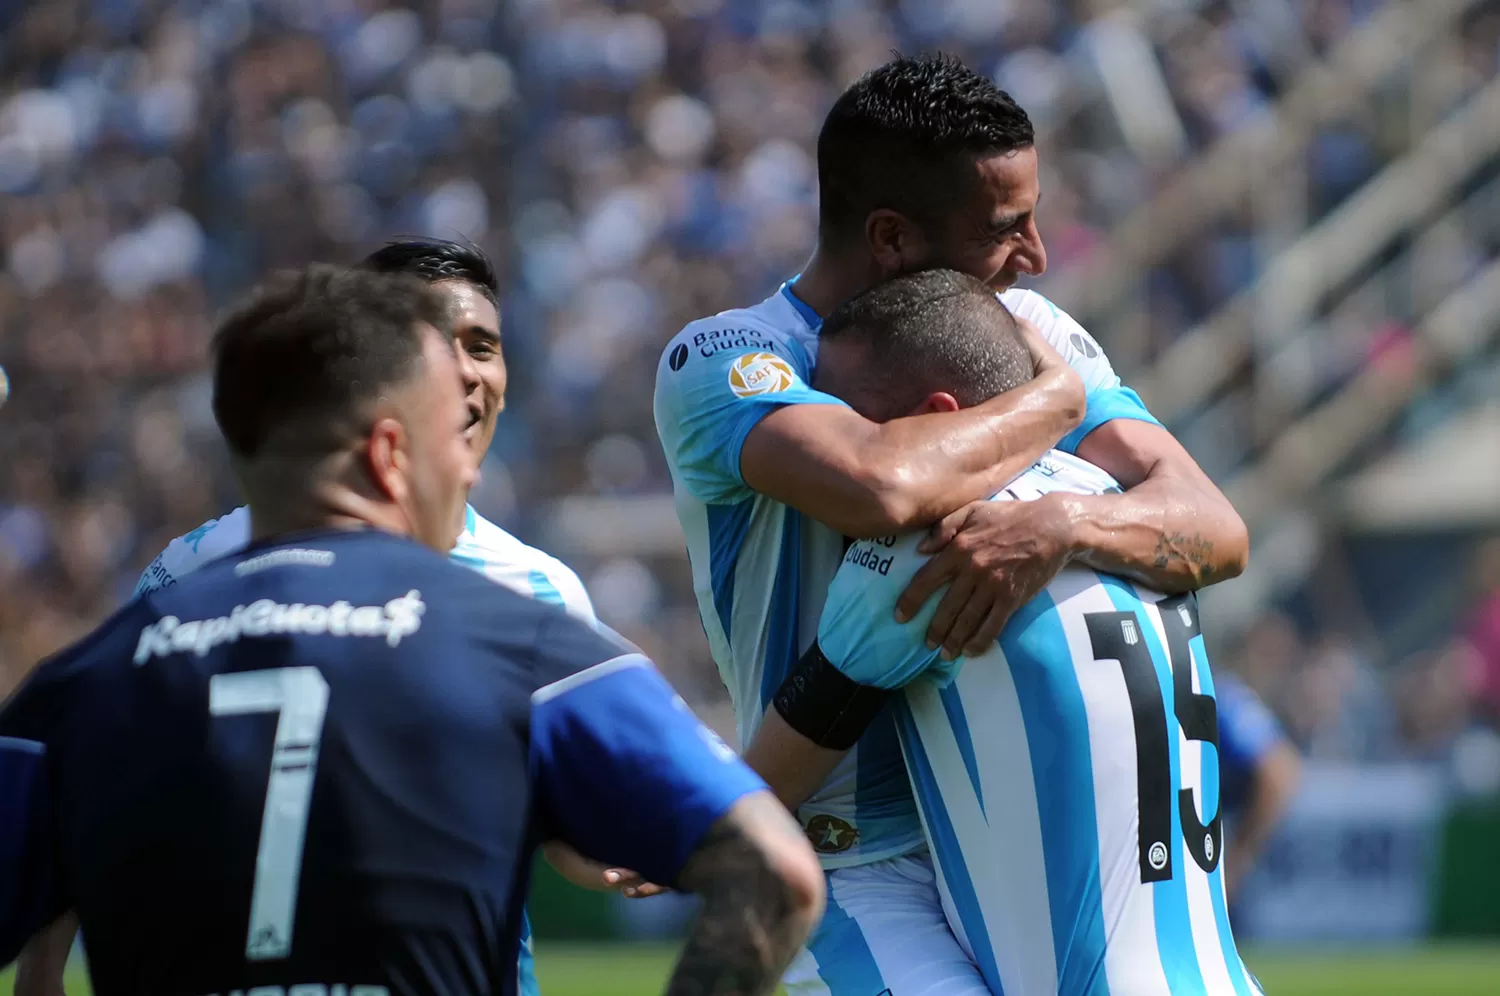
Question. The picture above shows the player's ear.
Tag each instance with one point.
(936, 403)
(896, 244)
(388, 456)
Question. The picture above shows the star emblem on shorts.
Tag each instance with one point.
(830, 835)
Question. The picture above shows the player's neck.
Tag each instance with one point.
(327, 507)
(829, 279)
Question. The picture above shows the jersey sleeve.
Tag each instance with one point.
(858, 632)
(26, 836)
(214, 539)
(624, 772)
(716, 380)
(1108, 398)
(1247, 729)
(29, 899)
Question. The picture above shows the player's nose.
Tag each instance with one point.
(467, 368)
(1031, 258)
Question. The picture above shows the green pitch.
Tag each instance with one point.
(595, 970)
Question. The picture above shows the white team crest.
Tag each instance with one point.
(1128, 630)
(1157, 855)
(1184, 614)
(1208, 846)
(759, 373)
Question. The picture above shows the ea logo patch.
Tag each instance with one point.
(759, 373)
(830, 835)
(679, 356)
(1157, 855)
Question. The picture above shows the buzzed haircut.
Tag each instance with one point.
(904, 137)
(311, 350)
(925, 332)
(433, 260)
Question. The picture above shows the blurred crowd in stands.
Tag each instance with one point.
(630, 166)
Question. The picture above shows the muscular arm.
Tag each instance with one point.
(870, 479)
(1172, 528)
(762, 893)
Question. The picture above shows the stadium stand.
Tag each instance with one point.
(1281, 218)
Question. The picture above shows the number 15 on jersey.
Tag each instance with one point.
(1117, 636)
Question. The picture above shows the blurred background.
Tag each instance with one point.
(1281, 218)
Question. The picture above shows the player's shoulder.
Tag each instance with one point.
(770, 327)
(216, 538)
(522, 568)
(1058, 327)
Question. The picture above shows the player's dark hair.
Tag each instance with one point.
(311, 349)
(436, 259)
(923, 332)
(904, 137)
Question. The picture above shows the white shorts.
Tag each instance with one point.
(884, 934)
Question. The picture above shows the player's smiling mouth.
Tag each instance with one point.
(476, 416)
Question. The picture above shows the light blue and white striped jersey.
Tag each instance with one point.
(482, 545)
(761, 569)
(1067, 780)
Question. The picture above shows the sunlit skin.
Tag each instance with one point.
(992, 236)
(476, 333)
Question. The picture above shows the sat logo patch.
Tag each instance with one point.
(759, 373)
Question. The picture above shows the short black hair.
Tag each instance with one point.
(900, 138)
(433, 260)
(310, 349)
(923, 332)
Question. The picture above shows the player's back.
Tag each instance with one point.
(309, 767)
(1065, 778)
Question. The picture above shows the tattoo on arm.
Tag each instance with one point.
(748, 928)
(1193, 554)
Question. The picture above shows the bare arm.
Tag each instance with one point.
(39, 970)
(1275, 783)
(1172, 529)
(792, 765)
(762, 893)
(870, 479)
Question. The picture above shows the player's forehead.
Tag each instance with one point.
(468, 306)
(1002, 188)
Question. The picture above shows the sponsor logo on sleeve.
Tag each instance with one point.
(760, 373)
(679, 356)
(711, 341)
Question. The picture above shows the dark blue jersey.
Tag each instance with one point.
(327, 762)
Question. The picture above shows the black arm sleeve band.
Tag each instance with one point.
(825, 705)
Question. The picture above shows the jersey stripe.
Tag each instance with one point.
(781, 629)
(542, 588)
(1065, 786)
(953, 705)
(1131, 963)
(1009, 861)
(937, 818)
(727, 525)
(1174, 930)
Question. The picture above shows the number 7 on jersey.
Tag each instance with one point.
(299, 696)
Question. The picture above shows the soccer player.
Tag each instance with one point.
(465, 278)
(1067, 777)
(921, 163)
(323, 763)
(1259, 772)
